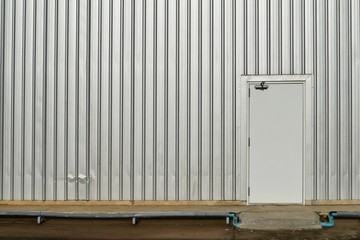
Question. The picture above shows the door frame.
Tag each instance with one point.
(308, 129)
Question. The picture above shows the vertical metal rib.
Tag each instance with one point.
(121, 123)
(326, 89)
(132, 104)
(177, 86)
(303, 37)
(222, 124)
(350, 98)
(256, 36)
(88, 77)
(245, 37)
(12, 159)
(291, 31)
(44, 107)
(56, 105)
(315, 165)
(77, 92)
(200, 98)
(338, 103)
(66, 118)
(188, 150)
(234, 90)
(280, 37)
(99, 101)
(23, 102)
(211, 95)
(166, 103)
(2, 91)
(268, 37)
(155, 103)
(33, 135)
(143, 110)
(111, 30)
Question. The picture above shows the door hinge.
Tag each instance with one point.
(248, 191)
(249, 142)
(249, 92)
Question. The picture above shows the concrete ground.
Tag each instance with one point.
(27, 228)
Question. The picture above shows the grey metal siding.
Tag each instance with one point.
(138, 99)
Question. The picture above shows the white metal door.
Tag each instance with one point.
(276, 144)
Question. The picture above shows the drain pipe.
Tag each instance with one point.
(347, 214)
(133, 216)
(331, 215)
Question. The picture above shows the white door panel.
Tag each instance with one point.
(276, 148)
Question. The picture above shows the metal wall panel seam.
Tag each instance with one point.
(200, 128)
(166, 104)
(268, 36)
(280, 36)
(234, 90)
(338, 107)
(99, 102)
(211, 75)
(189, 100)
(303, 31)
(121, 128)
(291, 31)
(222, 124)
(143, 157)
(33, 102)
(154, 196)
(23, 102)
(355, 97)
(44, 107)
(256, 37)
(88, 132)
(132, 104)
(2, 63)
(13, 61)
(56, 103)
(111, 30)
(350, 97)
(66, 120)
(245, 38)
(326, 29)
(315, 195)
(177, 99)
(77, 74)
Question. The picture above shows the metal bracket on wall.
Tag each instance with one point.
(261, 86)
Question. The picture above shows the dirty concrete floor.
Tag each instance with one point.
(19, 228)
(27, 228)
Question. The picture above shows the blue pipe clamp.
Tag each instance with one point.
(235, 222)
(331, 222)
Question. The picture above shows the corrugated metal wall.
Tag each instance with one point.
(138, 99)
